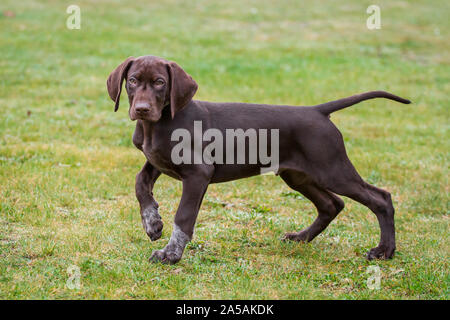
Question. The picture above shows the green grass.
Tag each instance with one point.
(67, 164)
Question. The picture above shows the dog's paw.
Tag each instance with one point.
(296, 236)
(381, 252)
(153, 225)
(165, 256)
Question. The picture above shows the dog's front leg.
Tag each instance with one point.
(151, 220)
(194, 189)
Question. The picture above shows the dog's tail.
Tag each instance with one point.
(332, 106)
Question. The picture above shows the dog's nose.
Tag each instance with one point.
(142, 107)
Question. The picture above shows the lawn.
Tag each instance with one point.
(67, 163)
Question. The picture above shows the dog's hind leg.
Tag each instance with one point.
(344, 180)
(328, 205)
(380, 202)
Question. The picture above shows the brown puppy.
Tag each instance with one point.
(311, 156)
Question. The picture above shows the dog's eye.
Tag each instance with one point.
(159, 82)
(132, 81)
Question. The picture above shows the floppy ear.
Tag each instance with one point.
(115, 81)
(182, 88)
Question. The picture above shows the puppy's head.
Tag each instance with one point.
(152, 83)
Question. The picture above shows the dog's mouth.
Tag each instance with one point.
(150, 119)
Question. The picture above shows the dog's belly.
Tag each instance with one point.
(229, 172)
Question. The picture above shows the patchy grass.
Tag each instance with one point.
(67, 165)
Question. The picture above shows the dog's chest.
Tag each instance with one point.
(159, 158)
